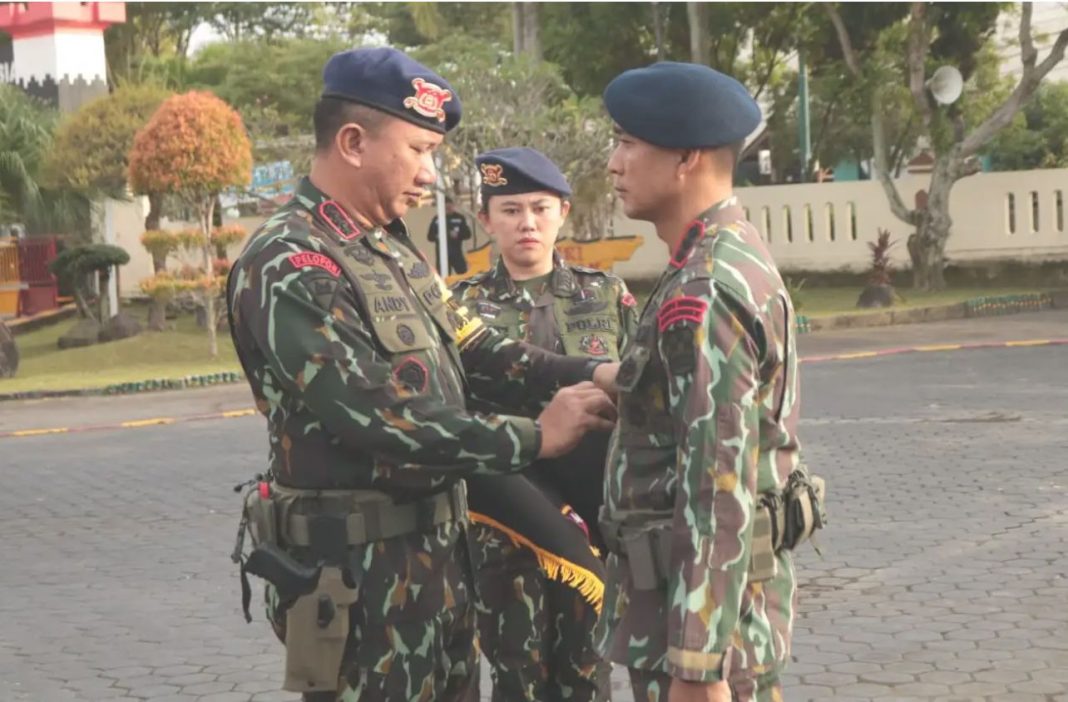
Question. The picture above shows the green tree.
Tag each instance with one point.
(939, 34)
(1038, 136)
(91, 145)
(518, 101)
(26, 131)
(195, 147)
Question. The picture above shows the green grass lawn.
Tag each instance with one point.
(174, 353)
(825, 302)
(183, 350)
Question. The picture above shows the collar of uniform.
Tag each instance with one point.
(562, 283)
(329, 212)
(722, 211)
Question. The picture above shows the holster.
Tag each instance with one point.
(317, 629)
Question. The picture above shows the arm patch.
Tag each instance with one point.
(681, 309)
(317, 260)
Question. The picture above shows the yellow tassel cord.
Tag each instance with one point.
(556, 568)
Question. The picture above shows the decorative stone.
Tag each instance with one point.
(876, 296)
(121, 326)
(9, 353)
(85, 333)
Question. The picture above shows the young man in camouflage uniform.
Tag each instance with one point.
(708, 407)
(360, 359)
(536, 631)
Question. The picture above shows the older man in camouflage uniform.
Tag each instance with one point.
(699, 604)
(537, 631)
(360, 359)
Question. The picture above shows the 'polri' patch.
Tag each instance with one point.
(317, 260)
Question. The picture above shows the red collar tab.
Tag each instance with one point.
(335, 215)
(694, 234)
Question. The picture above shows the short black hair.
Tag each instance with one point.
(332, 113)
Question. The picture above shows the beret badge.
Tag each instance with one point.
(492, 175)
(428, 99)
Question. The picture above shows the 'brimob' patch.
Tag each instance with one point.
(317, 260)
(681, 309)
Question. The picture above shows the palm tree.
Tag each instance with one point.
(26, 128)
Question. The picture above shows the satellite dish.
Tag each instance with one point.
(946, 85)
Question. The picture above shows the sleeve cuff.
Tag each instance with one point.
(529, 433)
(696, 666)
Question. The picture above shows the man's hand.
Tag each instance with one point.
(604, 377)
(574, 411)
(686, 691)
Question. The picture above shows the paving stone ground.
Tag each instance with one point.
(944, 572)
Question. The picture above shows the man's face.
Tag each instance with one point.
(644, 176)
(525, 226)
(397, 166)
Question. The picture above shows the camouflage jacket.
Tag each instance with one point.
(582, 311)
(708, 421)
(360, 359)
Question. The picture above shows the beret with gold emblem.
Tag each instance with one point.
(391, 81)
(519, 169)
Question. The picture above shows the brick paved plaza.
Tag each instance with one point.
(944, 577)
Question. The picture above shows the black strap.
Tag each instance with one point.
(246, 593)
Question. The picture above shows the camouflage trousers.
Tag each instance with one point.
(412, 627)
(653, 686)
(535, 632)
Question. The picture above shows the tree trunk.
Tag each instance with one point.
(525, 29)
(155, 207)
(699, 46)
(209, 272)
(927, 247)
(658, 31)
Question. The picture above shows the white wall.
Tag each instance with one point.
(979, 205)
(70, 53)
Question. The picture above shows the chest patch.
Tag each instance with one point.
(382, 281)
(594, 345)
(419, 270)
(488, 310)
(412, 373)
(390, 304)
(602, 324)
(587, 307)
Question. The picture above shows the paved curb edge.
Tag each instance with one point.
(858, 355)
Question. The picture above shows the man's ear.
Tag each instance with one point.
(689, 161)
(351, 143)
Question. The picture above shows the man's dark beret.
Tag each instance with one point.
(393, 82)
(519, 170)
(681, 106)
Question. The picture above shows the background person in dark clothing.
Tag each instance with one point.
(458, 232)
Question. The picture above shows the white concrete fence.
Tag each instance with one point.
(1018, 216)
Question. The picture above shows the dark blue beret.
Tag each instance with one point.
(681, 106)
(393, 82)
(519, 169)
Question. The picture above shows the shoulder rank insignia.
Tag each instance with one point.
(428, 99)
(681, 309)
(316, 260)
(339, 220)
